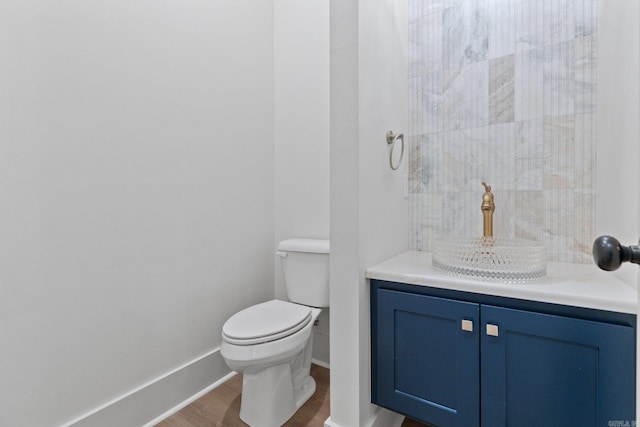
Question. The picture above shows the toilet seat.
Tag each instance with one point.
(268, 321)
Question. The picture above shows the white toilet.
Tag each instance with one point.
(270, 343)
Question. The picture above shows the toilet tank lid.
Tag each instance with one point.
(320, 246)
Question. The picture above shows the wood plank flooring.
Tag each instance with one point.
(221, 407)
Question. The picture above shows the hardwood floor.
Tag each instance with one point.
(412, 423)
(221, 407)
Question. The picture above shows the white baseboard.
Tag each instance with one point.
(163, 395)
(320, 363)
(382, 418)
(386, 418)
(189, 400)
(329, 423)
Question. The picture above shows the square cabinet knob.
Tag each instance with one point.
(492, 330)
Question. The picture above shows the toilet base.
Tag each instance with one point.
(269, 398)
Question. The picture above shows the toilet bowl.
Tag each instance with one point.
(270, 343)
(275, 362)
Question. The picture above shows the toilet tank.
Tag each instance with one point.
(305, 265)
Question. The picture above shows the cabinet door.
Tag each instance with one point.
(427, 365)
(546, 370)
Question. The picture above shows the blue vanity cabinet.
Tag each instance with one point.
(543, 370)
(456, 359)
(427, 364)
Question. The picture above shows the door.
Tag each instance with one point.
(546, 370)
(426, 358)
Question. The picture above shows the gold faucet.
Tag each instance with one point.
(488, 207)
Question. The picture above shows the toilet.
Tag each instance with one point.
(270, 343)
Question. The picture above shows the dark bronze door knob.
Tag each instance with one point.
(609, 254)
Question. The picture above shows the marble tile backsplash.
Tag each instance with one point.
(504, 91)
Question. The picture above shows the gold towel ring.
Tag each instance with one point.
(391, 140)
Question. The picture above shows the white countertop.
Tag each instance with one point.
(579, 285)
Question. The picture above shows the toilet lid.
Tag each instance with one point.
(264, 322)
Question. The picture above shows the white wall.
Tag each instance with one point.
(638, 269)
(136, 185)
(369, 215)
(618, 192)
(301, 31)
(618, 126)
